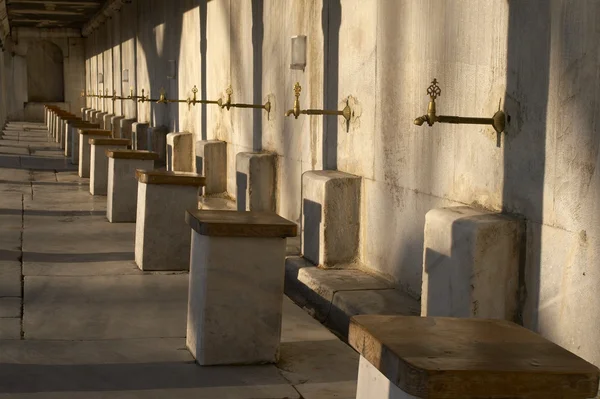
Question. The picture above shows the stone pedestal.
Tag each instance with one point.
(99, 162)
(241, 252)
(470, 264)
(162, 238)
(211, 162)
(180, 152)
(64, 129)
(126, 126)
(255, 181)
(115, 123)
(404, 357)
(89, 115)
(71, 133)
(157, 142)
(121, 204)
(139, 136)
(107, 122)
(94, 116)
(84, 148)
(330, 217)
(100, 118)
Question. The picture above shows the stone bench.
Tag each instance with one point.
(241, 253)
(99, 162)
(162, 238)
(85, 149)
(63, 129)
(72, 135)
(122, 184)
(404, 357)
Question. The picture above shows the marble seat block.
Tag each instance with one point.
(241, 252)
(470, 264)
(63, 130)
(409, 357)
(82, 111)
(121, 204)
(126, 127)
(88, 116)
(330, 217)
(94, 115)
(115, 123)
(180, 152)
(139, 136)
(100, 119)
(71, 130)
(255, 181)
(211, 162)
(107, 121)
(99, 162)
(162, 238)
(157, 142)
(85, 150)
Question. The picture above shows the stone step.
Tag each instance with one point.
(333, 296)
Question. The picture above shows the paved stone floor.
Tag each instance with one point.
(79, 320)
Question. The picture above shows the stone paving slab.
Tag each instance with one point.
(10, 307)
(9, 329)
(10, 278)
(146, 368)
(105, 307)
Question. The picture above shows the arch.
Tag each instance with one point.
(45, 72)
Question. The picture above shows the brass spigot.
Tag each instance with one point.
(83, 93)
(131, 96)
(227, 103)
(296, 111)
(163, 97)
(193, 100)
(143, 97)
(498, 121)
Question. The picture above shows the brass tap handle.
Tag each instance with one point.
(434, 91)
(163, 97)
(194, 93)
(131, 92)
(296, 110)
(143, 97)
(227, 103)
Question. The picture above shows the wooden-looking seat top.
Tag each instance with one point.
(220, 223)
(95, 132)
(437, 357)
(175, 178)
(108, 141)
(132, 154)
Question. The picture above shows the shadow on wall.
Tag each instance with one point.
(312, 230)
(241, 183)
(331, 20)
(258, 30)
(526, 101)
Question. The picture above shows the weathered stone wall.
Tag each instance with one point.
(15, 71)
(539, 59)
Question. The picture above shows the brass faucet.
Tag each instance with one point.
(163, 97)
(498, 121)
(142, 98)
(297, 111)
(228, 104)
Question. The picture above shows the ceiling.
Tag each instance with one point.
(51, 14)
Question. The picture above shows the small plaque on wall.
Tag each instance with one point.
(125, 75)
